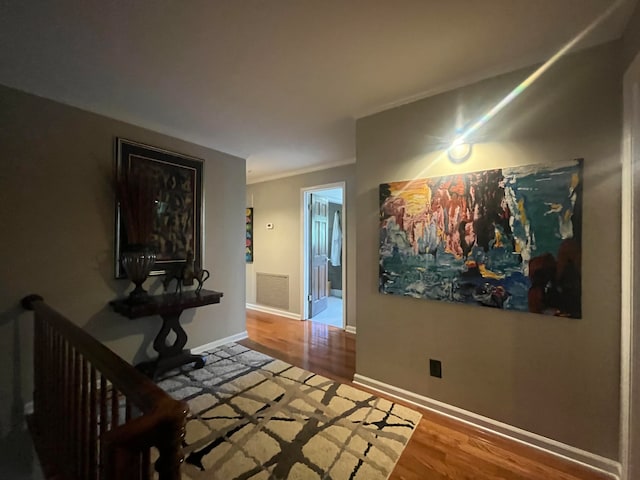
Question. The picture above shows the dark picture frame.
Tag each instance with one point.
(177, 188)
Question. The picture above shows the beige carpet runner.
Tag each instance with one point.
(257, 418)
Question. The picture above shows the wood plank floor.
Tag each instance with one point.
(440, 448)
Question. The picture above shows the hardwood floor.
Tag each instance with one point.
(440, 448)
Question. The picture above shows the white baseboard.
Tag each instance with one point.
(567, 452)
(274, 311)
(218, 343)
(335, 293)
(350, 329)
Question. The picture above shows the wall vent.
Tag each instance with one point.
(272, 290)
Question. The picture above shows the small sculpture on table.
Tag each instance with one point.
(185, 276)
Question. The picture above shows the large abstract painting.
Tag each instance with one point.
(176, 183)
(507, 238)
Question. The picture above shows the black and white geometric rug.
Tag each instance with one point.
(255, 417)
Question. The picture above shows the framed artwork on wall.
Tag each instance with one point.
(175, 184)
(508, 238)
(248, 249)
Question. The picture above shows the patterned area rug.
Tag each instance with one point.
(254, 417)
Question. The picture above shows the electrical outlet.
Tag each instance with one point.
(435, 368)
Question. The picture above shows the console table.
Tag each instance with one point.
(169, 306)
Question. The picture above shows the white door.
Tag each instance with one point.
(318, 297)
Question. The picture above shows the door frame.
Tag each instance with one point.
(305, 221)
(630, 307)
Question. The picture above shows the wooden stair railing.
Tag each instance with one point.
(95, 417)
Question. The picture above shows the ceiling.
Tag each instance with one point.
(278, 82)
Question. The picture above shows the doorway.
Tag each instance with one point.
(323, 263)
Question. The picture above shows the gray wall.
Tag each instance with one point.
(556, 377)
(279, 251)
(57, 211)
(631, 38)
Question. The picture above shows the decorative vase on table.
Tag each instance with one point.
(138, 261)
(137, 206)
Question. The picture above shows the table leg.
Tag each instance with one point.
(170, 356)
(170, 322)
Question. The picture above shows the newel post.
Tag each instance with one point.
(169, 447)
(28, 301)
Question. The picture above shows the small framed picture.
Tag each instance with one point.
(248, 249)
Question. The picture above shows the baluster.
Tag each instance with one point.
(145, 464)
(128, 409)
(115, 408)
(104, 426)
(73, 413)
(93, 425)
(57, 397)
(66, 411)
(38, 342)
(136, 464)
(45, 382)
(48, 377)
(84, 421)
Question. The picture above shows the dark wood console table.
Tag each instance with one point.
(169, 306)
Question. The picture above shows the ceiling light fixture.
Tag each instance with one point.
(460, 150)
